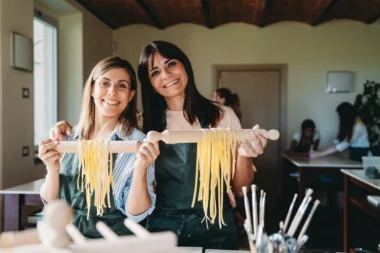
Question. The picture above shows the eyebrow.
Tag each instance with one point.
(105, 78)
(168, 60)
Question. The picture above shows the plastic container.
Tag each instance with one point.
(371, 166)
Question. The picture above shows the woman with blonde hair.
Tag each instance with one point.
(108, 113)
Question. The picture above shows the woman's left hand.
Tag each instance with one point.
(253, 146)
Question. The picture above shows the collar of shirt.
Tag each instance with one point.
(117, 134)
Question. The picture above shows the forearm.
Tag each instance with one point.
(327, 151)
(138, 200)
(50, 189)
(244, 174)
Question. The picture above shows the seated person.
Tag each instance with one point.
(305, 140)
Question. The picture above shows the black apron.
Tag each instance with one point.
(175, 176)
(69, 192)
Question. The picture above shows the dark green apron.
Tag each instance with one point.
(175, 176)
(113, 217)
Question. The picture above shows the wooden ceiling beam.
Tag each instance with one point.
(323, 13)
(150, 14)
(97, 14)
(206, 13)
(268, 9)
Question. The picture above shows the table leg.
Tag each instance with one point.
(301, 185)
(12, 212)
(345, 213)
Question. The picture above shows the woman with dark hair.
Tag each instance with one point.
(172, 101)
(352, 134)
(305, 140)
(225, 97)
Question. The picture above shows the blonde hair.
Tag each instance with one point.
(128, 118)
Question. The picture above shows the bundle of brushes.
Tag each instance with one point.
(285, 240)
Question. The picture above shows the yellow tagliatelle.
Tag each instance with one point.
(95, 176)
(215, 163)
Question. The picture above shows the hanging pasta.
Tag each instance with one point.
(95, 176)
(214, 166)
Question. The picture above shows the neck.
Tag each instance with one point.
(175, 103)
(104, 126)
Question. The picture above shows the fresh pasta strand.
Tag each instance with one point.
(215, 167)
(95, 176)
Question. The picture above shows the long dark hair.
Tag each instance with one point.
(231, 99)
(154, 105)
(128, 118)
(347, 115)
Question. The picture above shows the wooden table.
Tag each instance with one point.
(361, 219)
(17, 197)
(308, 169)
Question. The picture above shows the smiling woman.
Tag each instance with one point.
(108, 113)
(172, 101)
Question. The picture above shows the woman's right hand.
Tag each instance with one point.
(147, 154)
(49, 155)
(60, 128)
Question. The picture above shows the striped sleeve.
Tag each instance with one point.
(123, 176)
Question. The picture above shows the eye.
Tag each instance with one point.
(122, 86)
(172, 63)
(154, 73)
(104, 83)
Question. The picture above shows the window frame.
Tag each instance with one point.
(52, 22)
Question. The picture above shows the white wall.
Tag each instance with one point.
(309, 52)
(70, 66)
(17, 113)
(97, 39)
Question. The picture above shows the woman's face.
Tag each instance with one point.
(112, 92)
(168, 76)
(216, 98)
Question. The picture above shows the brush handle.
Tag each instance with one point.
(137, 229)
(307, 222)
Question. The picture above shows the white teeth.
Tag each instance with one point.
(111, 102)
(171, 83)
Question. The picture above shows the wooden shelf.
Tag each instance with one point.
(366, 207)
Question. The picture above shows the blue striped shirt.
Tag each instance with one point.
(123, 173)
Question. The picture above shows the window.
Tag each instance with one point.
(45, 76)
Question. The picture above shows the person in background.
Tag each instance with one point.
(225, 97)
(352, 134)
(305, 140)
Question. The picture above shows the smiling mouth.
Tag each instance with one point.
(171, 83)
(111, 102)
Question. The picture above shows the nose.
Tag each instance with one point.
(111, 90)
(165, 73)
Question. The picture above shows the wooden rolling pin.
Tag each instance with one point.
(114, 146)
(196, 135)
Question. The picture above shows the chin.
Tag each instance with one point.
(111, 114)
